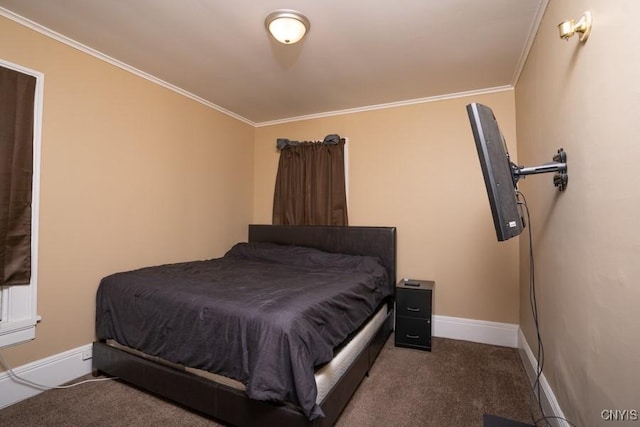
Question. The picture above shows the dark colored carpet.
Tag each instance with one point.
(454, 385)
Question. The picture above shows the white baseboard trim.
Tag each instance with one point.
(51, 371)
(548, 398)
(69, 365)
(495, 333)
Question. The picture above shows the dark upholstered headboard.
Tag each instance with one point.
(358, 240)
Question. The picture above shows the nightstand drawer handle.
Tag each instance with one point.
(413, 309)
(413, 337)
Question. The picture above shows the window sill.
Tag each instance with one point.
(12, 333)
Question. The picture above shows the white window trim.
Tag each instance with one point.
(346, 171)
(19, 303)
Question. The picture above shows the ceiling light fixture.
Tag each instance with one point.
(287, 26)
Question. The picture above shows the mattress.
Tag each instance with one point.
(326, 376)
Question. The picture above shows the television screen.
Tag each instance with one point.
(497, 172)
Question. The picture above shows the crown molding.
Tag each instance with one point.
(97, 54)
(389, 105)
(533, 32)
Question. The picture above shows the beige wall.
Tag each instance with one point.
(585, 98)
(415, 167)
(132, 174)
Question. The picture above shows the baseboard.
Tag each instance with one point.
(52, 371)
(502, 334)
(69, 365)
(547, 397)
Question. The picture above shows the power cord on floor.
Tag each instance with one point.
(535, 388)
(30, 383)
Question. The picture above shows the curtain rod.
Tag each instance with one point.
(332, 139)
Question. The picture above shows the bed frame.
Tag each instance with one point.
(232, 406)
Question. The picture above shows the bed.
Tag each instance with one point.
(185, 367)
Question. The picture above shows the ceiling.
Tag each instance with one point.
(358, 53)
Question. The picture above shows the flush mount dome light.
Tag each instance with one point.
(287, 26)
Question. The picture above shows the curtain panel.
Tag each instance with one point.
(310, 183)
(17, 94)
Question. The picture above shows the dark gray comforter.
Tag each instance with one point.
(264, 314)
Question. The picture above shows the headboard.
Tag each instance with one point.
(358, 240)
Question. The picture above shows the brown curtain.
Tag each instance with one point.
(17, 91)
(310, 184)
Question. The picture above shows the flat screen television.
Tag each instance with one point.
(498, 172)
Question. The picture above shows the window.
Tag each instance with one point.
(18, 314)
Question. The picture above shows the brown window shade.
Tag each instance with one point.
(17, 92)
(310, 184)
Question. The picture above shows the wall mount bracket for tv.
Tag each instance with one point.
(558, 165)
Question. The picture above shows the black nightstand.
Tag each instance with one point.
(413, 313)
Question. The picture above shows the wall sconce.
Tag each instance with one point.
(287, 26)
(583, 26)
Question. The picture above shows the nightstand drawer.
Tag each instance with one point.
(411, 332)
(414, 303)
